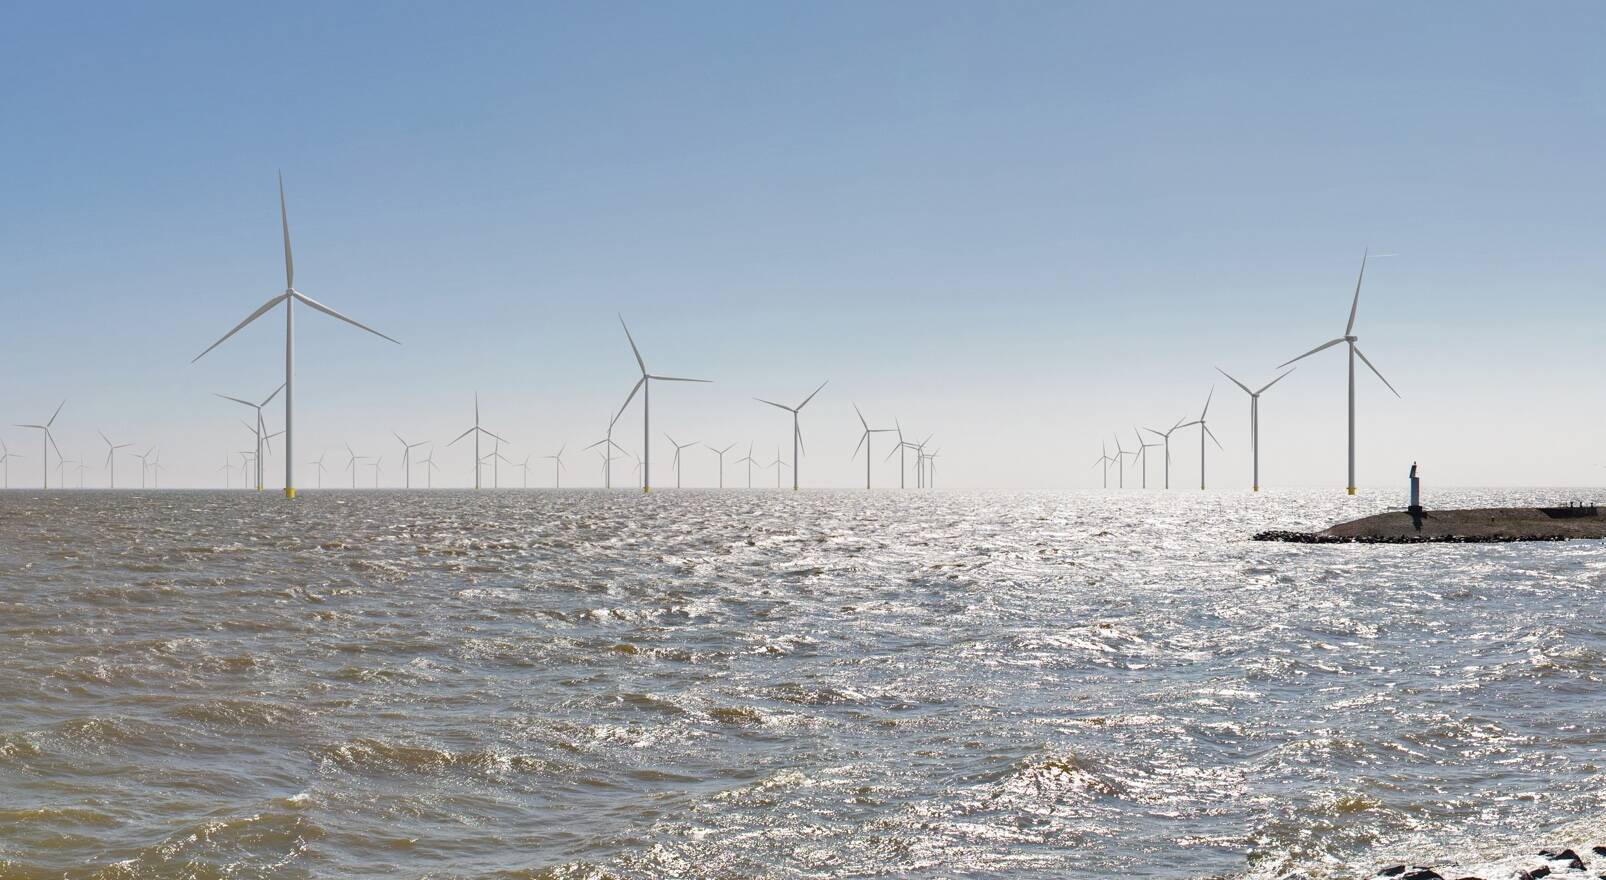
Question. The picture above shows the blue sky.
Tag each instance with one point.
(1019, 226)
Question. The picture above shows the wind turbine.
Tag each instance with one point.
(429, 468)
(476, 430)
(1143, 453)
(156, 470)
(931, 470)
(1120, 463)
(111, 461)
(644, 385)
(407, 459)
(351, 464)
(1104, 459)
(1166, 436)
(750, 461)
(1354, 352)
(864, 442)
(318, 463)
(721, 454)
(676, 462)
(557, 466)
(920, 470)
(226, 468)
(245, 459)
(6, 455)
(61, 470)
(378, 462)
(777, 464)
(797, 434)
(1203, 430)
(260, 423)
(609, 446)
(1254, 421)
(145, 464)
(290, 297)
(49, 441)
(81, 468)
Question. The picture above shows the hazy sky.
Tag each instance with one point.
(1019, 226)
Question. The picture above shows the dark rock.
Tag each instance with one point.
(1395, 871)
(1598, 850)
(1534, 874)
(1422, 874)
(1574, 863)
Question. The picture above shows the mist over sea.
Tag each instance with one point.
(580, 684)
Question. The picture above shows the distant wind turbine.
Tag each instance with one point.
(607, 444)
(290, 297)
(1354, 352)
(111, 460)
(1104, 459)
(144, 463)
(260, 423)
(1166, 436)
(6, 455)
(557, 466)
(476, 430)
(318, 463)
(1203, 430)
(864, 442)
(797, 433)
(430, 467)
(351, 463)
(644, 385)
(749, 461)
(676, 462)
(721, 454)
(1254, 422)
(777, 464)
(49, 441)
(407, 459)
(1143, 453)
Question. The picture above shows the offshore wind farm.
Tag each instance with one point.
(927, 449)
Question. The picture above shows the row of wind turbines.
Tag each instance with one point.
(1139, 453)
(252, 460)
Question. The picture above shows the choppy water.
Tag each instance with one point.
(739, 685)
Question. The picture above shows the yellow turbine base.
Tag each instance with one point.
(289, 492)
(1257, 488)
(646, 489)
(1352, 490)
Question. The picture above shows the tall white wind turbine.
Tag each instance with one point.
(644, 385)
(1166, 436)
(608, 445)
(49, 441)
(1104, 459)
(1354, 352)
(351, 463)
(476, 430)
(1254, 422)
(290, 297)
(430, 467)
(797, 433)
(777, 464)
(864, 442)
(1143, 454)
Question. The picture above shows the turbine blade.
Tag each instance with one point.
(811, 396)
(269, 399)
(633, 350)
(1273, 382)
(238, 327)
(459, 436)
(1207, 403)
(680, 379)
(1235, 381)
(235, 399)
(56, 413)
(284, 220)
(861, 417)
(632, 396)
(334, 314)
(1356, 303)
(862, 438)
(774, 404)
(1374, 370)
(1312, 351)
(1212, 435)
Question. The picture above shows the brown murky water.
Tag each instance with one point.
(760, 684)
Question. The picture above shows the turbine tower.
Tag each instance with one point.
(1354, 352)
(864, 442)
(290, 297)
(476, 430)
(1254, 422)
(678, 448)
(49, 441)
(797, 433)
(644, 385)
(721, 454)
